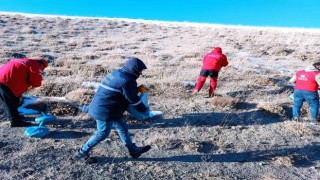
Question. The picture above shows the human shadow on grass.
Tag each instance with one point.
(87, 123)
(257, 117)
(69, 134)
(300, 157)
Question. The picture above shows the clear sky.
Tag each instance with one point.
(279, 13)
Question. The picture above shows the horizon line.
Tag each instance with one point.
(168, 23)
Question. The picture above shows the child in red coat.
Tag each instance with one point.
(16, 77)
(211, 65)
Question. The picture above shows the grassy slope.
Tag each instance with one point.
(197, 137)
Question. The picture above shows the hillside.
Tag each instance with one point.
(244, 132)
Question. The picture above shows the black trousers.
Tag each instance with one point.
(10, 101)
(210, 73)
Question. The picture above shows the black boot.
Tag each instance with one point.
(138, 151)
(78, 156)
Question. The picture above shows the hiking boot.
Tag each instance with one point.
(209, 96)
(78, 156)
(138, 151)
(20, 124)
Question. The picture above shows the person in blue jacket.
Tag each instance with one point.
(117, 90)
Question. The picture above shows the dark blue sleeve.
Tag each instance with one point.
(130, 92)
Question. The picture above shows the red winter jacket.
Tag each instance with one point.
(306, 80)
(214, 60)
(21, 74)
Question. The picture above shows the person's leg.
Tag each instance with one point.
(201, 80)
(4, 110)
(298, 101)
(10, 107)
(103, 131)
(122, 129)
(213, 81)
(14, 110)
(313, 101)
(213, 85)
(11, 102)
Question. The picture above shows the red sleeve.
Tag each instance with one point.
(224, 61)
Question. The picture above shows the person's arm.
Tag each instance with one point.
(130, 92)
(318, 79)
(293, 79)
(35, 76)
(224, 61)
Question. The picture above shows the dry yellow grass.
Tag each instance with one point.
(272, 108)
(80, 96)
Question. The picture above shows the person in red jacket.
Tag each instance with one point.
(211, 65)
(16, 77)
(306, 86)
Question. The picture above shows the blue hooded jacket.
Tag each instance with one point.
(116, 91)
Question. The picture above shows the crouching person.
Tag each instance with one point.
(211, 65)
(116, 91)
(306, 89)
(16, 77)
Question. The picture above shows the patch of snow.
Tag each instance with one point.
(188, 84)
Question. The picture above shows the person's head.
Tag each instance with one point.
(18, 55)
(217, 49)
(43, 63)
(134, 66)
(316, 65)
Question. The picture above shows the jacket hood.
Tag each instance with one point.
(217, 49)
(42, 62)
(316, 65)
(134, 66)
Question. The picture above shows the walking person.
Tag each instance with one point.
(116, 91)
(16, 77)
(211, 65)
(306, 89)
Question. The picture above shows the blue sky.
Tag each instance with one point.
(279, 13)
